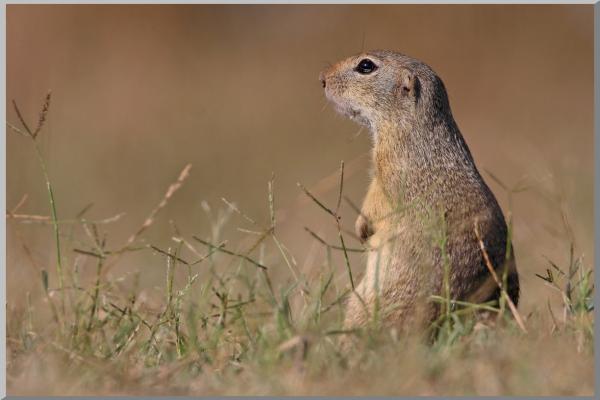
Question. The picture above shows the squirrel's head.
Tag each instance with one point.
(382, 87)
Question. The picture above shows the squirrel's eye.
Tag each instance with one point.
(365, 66)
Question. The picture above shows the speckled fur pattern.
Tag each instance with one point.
(425, 190)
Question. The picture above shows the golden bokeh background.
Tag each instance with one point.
(140, 91)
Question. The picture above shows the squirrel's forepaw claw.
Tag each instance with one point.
(363, 228)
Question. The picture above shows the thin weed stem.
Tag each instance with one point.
(38, 152)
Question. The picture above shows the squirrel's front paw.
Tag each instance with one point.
(363, 228)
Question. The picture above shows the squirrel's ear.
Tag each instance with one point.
(409, 85)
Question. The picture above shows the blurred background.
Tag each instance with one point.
(140, 91)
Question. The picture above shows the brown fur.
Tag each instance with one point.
(425, 190)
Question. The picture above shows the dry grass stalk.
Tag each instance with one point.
(48, 219)
(19, 204)
(183, 175)
(170, 192)
(488, 263)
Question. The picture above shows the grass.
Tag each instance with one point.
(228, 321)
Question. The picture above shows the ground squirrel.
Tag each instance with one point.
(426, 195)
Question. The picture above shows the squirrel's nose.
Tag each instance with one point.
(322, 80)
